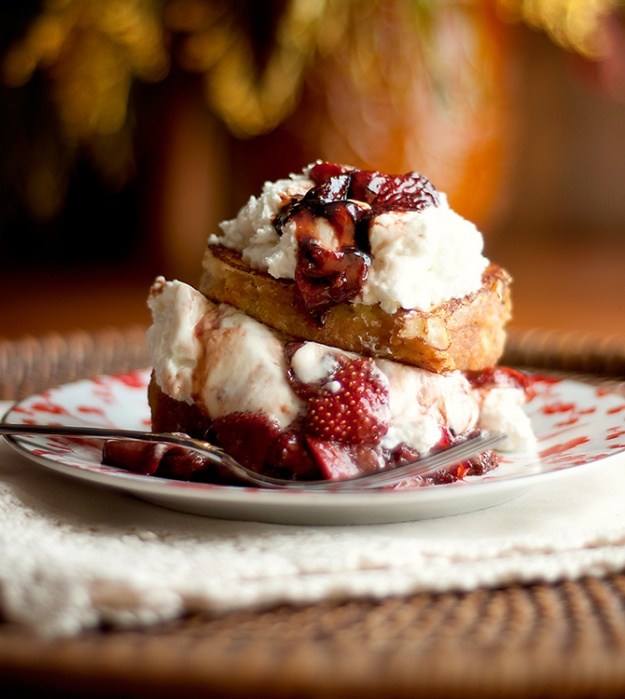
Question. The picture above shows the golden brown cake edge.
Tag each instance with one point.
(466, 334)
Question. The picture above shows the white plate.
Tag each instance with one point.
(575, 423)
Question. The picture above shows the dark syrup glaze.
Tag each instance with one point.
(347, 199)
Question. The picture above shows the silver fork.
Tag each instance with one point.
(425, 466)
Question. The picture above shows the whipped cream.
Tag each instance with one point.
(420, 259)
(421, 401)
(501, 410)
(175, 346)
(253, 234)
(225, 362)
(216, 356)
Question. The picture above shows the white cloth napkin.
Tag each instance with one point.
(73, 555)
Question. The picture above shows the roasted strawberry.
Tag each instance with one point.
(290, 453)
(185, 465)
(352, 408)
(346, 199)
(327, 277)
(409, 192)
(139, 457)
(334, 460)
(154, 459)
(335, 188)
(248, 437)
(322, 171)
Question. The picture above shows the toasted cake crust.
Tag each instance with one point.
(466, 334)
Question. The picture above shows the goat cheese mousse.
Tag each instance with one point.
(346, 321)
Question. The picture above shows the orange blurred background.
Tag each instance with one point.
(129, 129)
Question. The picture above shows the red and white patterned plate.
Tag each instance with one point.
(576, 424)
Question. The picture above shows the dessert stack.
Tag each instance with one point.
(346, 321)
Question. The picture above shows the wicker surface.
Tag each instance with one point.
(564, 640)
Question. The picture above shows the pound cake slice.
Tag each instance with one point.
(465, 333)
(367, 262)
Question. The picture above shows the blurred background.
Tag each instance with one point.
(130, 128)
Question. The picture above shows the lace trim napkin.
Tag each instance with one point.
(74, 556)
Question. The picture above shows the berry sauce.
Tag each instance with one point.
(347, 200)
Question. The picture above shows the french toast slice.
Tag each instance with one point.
(466, 333)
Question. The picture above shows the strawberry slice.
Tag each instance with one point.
(247, 437)
(334, 460)
(352, 408)
(290, 455)
(139, 457)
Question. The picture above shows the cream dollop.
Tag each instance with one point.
(253, 234)
(216, 356)
(419, 259)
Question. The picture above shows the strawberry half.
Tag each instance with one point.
(246, 436)
(334, 460)
(352, 407)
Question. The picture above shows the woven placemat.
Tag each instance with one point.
(572, 351)
(32, 364)
(565, 640)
